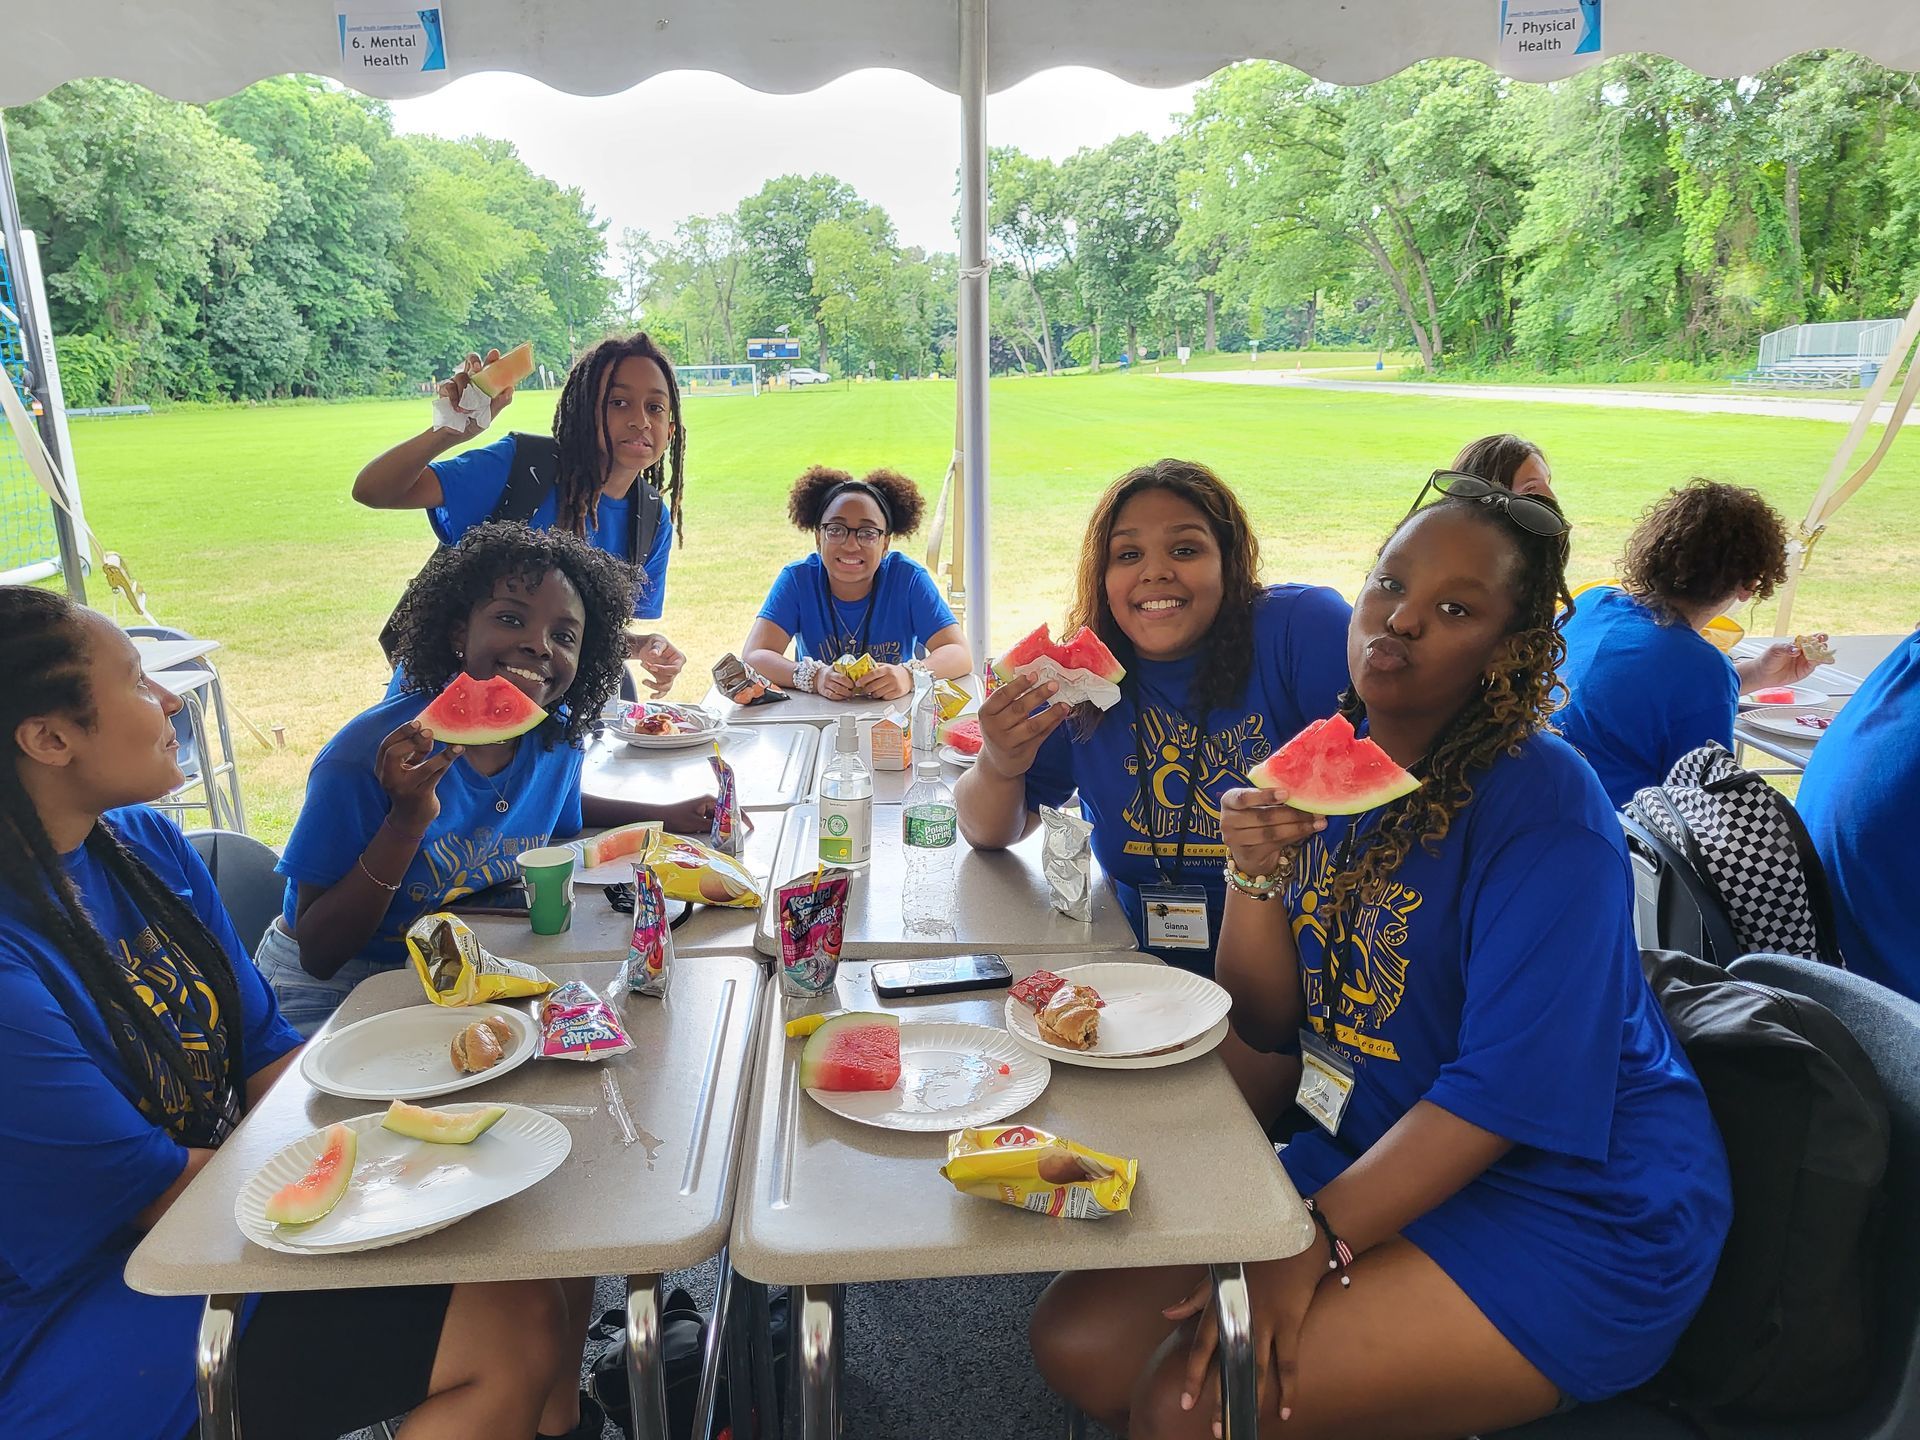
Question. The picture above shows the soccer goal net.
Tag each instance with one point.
(718, 379)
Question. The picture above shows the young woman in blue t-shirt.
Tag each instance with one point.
(393, 828)
(855, 595)
(137, 1034)
(1515, 1172)
(618, 440)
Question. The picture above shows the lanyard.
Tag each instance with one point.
(1339, 952)
(1189, 763)
(856, 642)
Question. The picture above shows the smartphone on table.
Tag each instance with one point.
(509, 897)
(895, 978)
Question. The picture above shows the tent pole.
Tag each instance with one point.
(972, 367)
(72, 564)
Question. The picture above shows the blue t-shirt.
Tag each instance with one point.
(1299, 669)
(1858, 797)
(82, 1157)
(469, 846)
(1640, 693)
(906, 610)
(471, 484)
(1499, 979)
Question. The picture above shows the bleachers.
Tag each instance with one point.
(1835, 355)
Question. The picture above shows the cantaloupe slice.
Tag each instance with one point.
(510, 369)
(441, 1127)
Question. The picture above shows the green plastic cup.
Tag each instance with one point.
(549, 875)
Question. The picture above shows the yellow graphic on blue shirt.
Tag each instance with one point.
(172, 987)
(1224, 759)
(1372, 941)
(465, 864)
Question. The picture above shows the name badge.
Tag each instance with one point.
(1176, 917)
(1326, 1082)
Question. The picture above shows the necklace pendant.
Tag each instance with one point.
(502, 806)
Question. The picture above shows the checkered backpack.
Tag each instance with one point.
(1749, 846)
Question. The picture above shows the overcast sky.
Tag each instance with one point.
(696, 144)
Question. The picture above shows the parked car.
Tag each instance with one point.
(800, 375)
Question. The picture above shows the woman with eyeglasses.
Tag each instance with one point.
(1644, 685)
(855, 595)
(1518, 1195)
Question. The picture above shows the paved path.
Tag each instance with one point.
(1775, 406)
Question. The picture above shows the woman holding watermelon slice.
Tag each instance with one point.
(394, 827)
(137, 1035)
(1518, 1193)
(611, 473)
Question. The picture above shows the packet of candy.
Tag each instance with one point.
(650, 955)
(576, 1024)
(856, 670)
(810, 915)
(699, 874)
(949, 699)
(743, 684)
(730, 823)
(1037, 1171)
(1066, 856)
(454, 968)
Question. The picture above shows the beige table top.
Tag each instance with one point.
(825, 1200)
(889, 786)
(1004, 903)
(774, 764)
(609, 1209)
(813, 709)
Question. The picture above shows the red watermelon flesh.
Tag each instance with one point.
(1085, 651)
(314, 1194)
(1328, 770)
(480, 712)
(856, 1051)
(963, 734)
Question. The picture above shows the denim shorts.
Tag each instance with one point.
(306, 1002)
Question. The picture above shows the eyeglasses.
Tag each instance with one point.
(867, 535)
(1526, 511)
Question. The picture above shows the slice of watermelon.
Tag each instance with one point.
(480, 712)
(962, 733)
(1328, 770)
(623, 840)
(1779, 695)
(315, 1193)
(510, 369)
(1085, 651)
(856, 1051)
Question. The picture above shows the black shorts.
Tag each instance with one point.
(318, 1364)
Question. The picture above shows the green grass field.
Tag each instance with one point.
(239, 523)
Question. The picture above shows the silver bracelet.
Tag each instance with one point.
(804, 672)
(917, 666)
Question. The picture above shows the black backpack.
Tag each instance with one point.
(683, 1331)
(1750, 848)
(1787, 1328)
(530, 479)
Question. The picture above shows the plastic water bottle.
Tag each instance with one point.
(846, 803)
(930, 831)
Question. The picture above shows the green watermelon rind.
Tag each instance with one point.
(1039, 645)
(839, 1034)
(464, 694)
(1335, 737)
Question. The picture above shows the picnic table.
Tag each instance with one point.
(1855, 657)
(825, 1202)
(775, 766)
(889, 786)
(801, 708)
(637, 1210)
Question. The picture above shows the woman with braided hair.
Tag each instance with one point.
(1518, 1193)
(611, 473)
(134, 1035)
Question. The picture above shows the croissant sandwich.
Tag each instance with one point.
(1071, 1017)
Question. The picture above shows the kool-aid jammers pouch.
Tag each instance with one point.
(730, 824)
(650, 955)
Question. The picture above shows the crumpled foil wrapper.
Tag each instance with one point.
(1066, 856)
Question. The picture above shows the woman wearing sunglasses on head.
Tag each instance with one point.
(855, 595)
(1518, 1194)
(1644, 686)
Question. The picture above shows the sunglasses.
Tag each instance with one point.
(1528, 512)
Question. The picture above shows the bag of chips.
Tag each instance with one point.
(699, 874)
(455, 969)
(743, 684)
(1036, 1171)
(854, 669)
(650, 954)
(576, 1024)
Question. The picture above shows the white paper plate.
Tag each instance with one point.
(405, 1054)
(1149, 1008)
(1803, 697)
(403, 1188)
(1784, 720)
(957, 757)
(949, 1079)
(1159, 1060)
(706, 726)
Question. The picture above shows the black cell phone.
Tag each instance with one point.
(894, 978)
(509, 897)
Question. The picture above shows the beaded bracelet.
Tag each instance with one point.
(1339, 1253)
(804, 673)
(1260, 887)
(376, 879)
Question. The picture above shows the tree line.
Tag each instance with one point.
(286, 241)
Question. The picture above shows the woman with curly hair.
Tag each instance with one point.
(394, 827)
(611, 472)
(1509, 461)
(855, 595)
(1644, 685)
(1519, 1195)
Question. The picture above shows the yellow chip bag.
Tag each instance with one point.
(1037, 1171)
(949, 699)
(455, 969)
(856, 670)
(700, 874)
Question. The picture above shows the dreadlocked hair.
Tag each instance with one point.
(1221, 677)
(1518, 696)
(44, 655)
(580, 430)
(459, 577)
